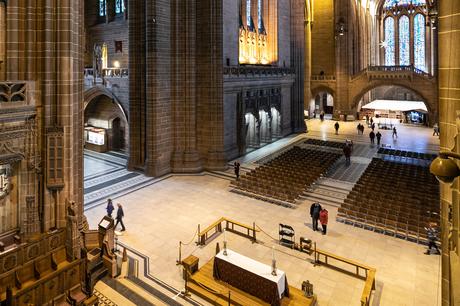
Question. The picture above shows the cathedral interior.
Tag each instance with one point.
(172, 152)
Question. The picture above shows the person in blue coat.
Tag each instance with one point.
(109, 208)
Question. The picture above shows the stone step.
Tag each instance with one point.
(322, 199)
(336, 184)
(325, 189)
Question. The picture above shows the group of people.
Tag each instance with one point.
(319, 213)
(360, 129)
(120, 214)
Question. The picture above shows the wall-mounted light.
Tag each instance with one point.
(340, 28)
(433, 16)
(116, 64)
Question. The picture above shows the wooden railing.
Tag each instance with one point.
(368, 271)
(230, 225)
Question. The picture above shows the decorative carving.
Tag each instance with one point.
(4, 181)
(97, 61)
(54, 242)
(10, 262)
(13, 92)
(33, 251)
(55, 157)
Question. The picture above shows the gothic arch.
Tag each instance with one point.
(430, 105)
(95, 92)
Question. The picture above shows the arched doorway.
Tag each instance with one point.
(106, 126)
(324, 103)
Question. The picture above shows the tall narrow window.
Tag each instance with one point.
(404, 41)
(248, 13)
(260, 14)
(389, 41)
(119, 6)
(419, 42)
(102, 8)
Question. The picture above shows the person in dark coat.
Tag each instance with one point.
(323, 218)
(336, 126)
(119, 218)
(372, 136)
(359, 128)
(395, 133)
(315, 209)
(362, 129)
(432, 233)
(236, 167)
(378, 136)
(109, 208)
(347, 153)
(373, 126)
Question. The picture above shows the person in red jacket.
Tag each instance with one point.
(323, 217)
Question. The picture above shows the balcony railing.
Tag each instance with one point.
(109, 72)
(256, 71)
(322, 77)
(409, 68)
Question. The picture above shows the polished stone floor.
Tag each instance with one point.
(166, 211)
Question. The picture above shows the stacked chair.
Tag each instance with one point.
(393, 198)
(286, 177)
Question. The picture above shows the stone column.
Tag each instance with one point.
(185, 157)
(2, 40)
(449, 111)
(342, 45)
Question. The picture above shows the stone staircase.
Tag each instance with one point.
(328, 191)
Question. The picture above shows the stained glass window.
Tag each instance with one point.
(419, 42)
(248, 12)
(119, 6)
(389, 41)
(404, 41)
(392, 3)
(259, 14)
(102, 9)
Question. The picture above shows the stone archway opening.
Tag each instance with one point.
(322, 103)
(394, 104)
(106, 126)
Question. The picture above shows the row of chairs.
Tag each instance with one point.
(287, 176)
(393, 198)
(324, 143)
(403, 153)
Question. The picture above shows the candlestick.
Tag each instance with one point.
(273, 253)
(225, 234)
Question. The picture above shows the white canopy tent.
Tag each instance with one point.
(397, 105)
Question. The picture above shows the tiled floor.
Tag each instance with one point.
(163, 213)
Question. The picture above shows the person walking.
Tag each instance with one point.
(372, 136)
(378, 136)
(373, 126)
(336, 126)
(323, 218)
(347, 153)
(120, 216)
(367, 119)
(362, 129)
(359, 128)
(435, 129)
(109, 208)
(236, 168)
(395, 133)
(432, 233)
(315, 209)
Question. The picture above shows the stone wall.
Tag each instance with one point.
(449, 106)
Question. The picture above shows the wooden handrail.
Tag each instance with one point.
(217, 226)
(368, 287)
(370, 273)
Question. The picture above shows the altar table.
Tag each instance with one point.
(251, 276)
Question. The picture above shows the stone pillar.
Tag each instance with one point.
(2, 40)
(185, 157)
(137, 66)
(449, 114)
(343, 43)
(301, 87)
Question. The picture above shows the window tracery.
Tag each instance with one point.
(102, 8)
(253, 36)
(404, 33)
